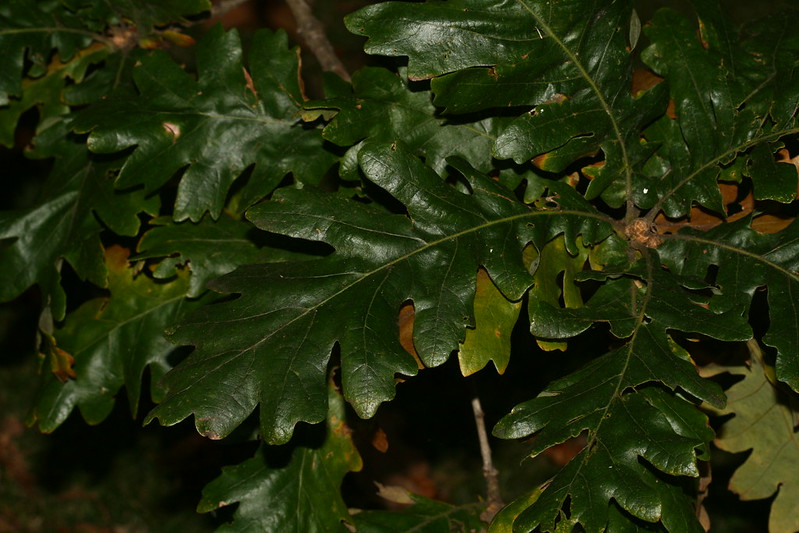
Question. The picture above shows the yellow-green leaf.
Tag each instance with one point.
(494, 318)
(764, 423)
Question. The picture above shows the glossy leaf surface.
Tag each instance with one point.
(62, 225)
(208, 248)
(616, 438)
(216, 127)
(570, 71)
(276, 348)
(299, 492)
(30, 31)
(112, 340)
(384, 106)
(604, 179)
(769, 261)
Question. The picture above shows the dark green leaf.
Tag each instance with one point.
(62, 224)
(641, 308)
(384, 107)
(46, 91)
(573, 70)
(214, 127)
(618, 438)
(767, 260)
(555, 271)
(272, 345)
(300, 493)
(445, 37)
(30, 31)
(112, 341)
(146, 14)
(666, 300)
(714, 124)
(115, 76)
(209, 248)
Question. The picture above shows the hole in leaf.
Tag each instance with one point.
(334, 366)
(567, 503)
(710, 276)
(705, 350)
(169, 191)
(178, 355)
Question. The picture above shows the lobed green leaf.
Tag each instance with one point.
(209, 248)
(215, 127)
(770, 260)
(384, 106)
(108, 342)
(62, 224)
(299, 492)
(764, 424)
(272, 344)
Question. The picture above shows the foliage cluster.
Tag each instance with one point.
(554, 164)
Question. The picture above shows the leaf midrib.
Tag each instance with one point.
(715, 161)
(737, 250)
(428, 246)
(628, 175)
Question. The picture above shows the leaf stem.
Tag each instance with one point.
(96, 36)
(494, 499)
(313, 33)
(742, 147)
(632, 211)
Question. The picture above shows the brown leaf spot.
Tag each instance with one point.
(206, 432)
(557, 99)
(250, 84)
(700, 31)
(61, 364)
(562, 453)
(171, 129)
(116, 257)
(540, 160)
(407, 313)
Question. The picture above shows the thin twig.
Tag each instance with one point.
(313, 33)
(491, 474)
